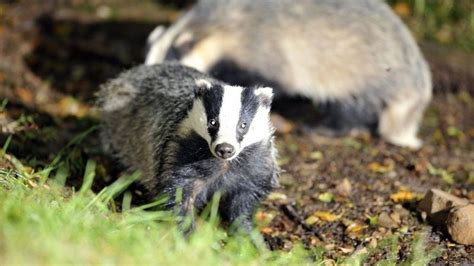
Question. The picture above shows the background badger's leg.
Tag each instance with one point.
(400, 120)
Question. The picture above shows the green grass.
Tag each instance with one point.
(49, 224)
(43, 222)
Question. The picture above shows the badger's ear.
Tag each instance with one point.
(202, 85)
(265, 94)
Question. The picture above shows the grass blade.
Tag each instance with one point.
(89, 175)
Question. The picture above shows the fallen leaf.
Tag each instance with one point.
(373, 220)
(402, 9)
(276, 196)
(344, 188)
(316, 155)
(396, 217)
(329, 262)
(71, 106)
(354, 229)
(32, 183)
(283, 161)
(326, 216)
(352, 143)
(347, 250)
(386, 221)
(402, 196)
(403, 230)
(266, 230)
(379, 168)
(447, 177)
(311, 220)
(260, 216)
(330, 246)
(373, 243)
(444, 174)
(471, 132)
(326, 197)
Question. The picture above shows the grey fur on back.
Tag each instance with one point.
(356, 52)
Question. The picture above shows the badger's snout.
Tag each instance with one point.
(225, 150)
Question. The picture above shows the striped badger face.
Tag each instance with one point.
(230, 118)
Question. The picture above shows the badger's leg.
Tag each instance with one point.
(182, 188)
(178, 196)
(400, 120)
(238, 209)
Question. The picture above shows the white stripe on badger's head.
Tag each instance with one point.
(230, 118)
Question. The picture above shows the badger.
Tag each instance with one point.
(185, 131)
(354, 59)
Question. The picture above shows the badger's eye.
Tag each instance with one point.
(243, 125)
(212, 123)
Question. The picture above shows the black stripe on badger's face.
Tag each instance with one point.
(212, 101)
(249, 107)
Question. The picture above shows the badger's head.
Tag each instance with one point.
(230, 118)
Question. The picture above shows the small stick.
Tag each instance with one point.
(291, 213)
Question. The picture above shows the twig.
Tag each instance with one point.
(291, 213)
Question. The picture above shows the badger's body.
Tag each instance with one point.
(355, 56)
(182, 129)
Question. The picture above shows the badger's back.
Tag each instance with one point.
(140, 111)
(324, 49)
(355, 58)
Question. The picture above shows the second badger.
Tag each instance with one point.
(182, 129)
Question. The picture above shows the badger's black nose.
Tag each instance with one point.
(225, 150)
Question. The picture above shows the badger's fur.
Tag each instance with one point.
(182, 129)
(355, 57)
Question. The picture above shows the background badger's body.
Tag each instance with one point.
(356, 54)
(158, 121)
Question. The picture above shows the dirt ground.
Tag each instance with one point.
(346, 194)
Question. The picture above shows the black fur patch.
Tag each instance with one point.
(250, 103)
(192, 149)
(212, 101)
(242, 183)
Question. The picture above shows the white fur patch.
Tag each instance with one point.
(260, 128)
(266, 92)
(202, 83)
(156, 34)
(229, 118)
(197, 121)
